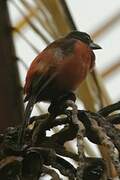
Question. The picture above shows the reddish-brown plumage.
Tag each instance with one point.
(60, 68)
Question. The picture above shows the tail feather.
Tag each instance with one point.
(27, 114)
(27, 97)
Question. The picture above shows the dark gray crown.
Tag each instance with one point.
(81, 36)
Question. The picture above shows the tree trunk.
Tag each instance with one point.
(11, 106)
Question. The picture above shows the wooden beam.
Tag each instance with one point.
(107, 25)
(22, 23)
(109, 71)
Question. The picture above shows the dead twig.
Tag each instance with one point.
(47, 152)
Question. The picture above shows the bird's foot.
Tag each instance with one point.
(58, 106)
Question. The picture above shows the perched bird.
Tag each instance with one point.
(59, 69)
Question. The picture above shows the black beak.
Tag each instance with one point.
(94, 46)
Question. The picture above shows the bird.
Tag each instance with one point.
(59, 69)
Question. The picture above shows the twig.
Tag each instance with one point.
(109, 109)
(51, 172)
(114, 119)
(80, 136)
(106, 141)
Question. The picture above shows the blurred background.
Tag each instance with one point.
(27, 26)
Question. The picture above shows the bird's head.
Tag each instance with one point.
(84, 37)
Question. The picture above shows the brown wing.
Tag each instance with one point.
(43, 69)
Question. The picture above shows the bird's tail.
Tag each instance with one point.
(27, 114)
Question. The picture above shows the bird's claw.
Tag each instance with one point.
(58, 106)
